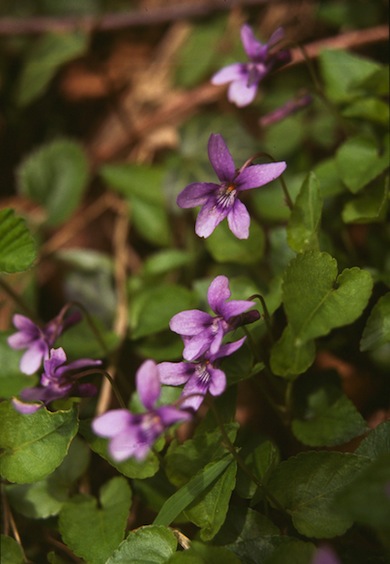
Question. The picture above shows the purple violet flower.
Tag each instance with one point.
(203, 333)
(58, 381)
(133, 434)
(221, 200)
(244, 78)
(198, 377)
(37, 340)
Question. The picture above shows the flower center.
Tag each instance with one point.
(203, 375)
(226, 196)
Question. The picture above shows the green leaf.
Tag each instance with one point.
(317, 300)
(17, 246)
(151, 309)
(12, 381)
(11, 552)
(306, 486)
(250, 535)
(327, 416)
(165, 261)
(55, 176)
(146, 205)
(370, 109)
(303, 226)
(359, 161)
(262, 458)
(370, 206)
(377, 330)
(329, 178)
(199, 553)
(293, 551)
(191, 63)
(45, 498)
(208, 510)
(367, 499)
(225, 247)
(188, 493)
(377, 442)
(34, 445)
(131, 468)
(93, 532)
(43, 60)
(341, 71)
(151, 544)
(291, 356)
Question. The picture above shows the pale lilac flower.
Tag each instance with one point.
(244, 78)
(133, 434)
(37, 340)
(203, 333)
(59, 380)
(198, 377)
(221, 200)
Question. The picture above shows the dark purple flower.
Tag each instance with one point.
(198, 377)
(244, 78)
(133, 434)
(203, 333)
(37, 340)
(221, 200)
(59, 380)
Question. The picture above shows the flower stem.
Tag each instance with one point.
(17, 300)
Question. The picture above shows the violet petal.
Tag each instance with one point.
(148, 383)
(258, 175)
(112, 422)
(239, 220)
(240, 93)
(228, 74)
(218, 293)
(174, 373)
(190, 322)
(208, 218)
(196, 194)
(220, 158)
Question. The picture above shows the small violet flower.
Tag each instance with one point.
(198, 377)
(133, 434)
(37, 340)
(203, 333)
(244, 78)
(221, 200)
(58, 381)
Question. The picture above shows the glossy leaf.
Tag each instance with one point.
(34, 445)
(331, 300)
(55, 176)
(152, 544)
(370, 206)
(303, 226)
(291, 356)
(341, 72)
(367, 499)
(306, 486)
(45, 498)
(377, 442)
(199, 553)
(11, 552)
(106, 523)
(17, 246)
(194, 488)
(328, 420)
(359, 161)
(152, 308)
(377, 329)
